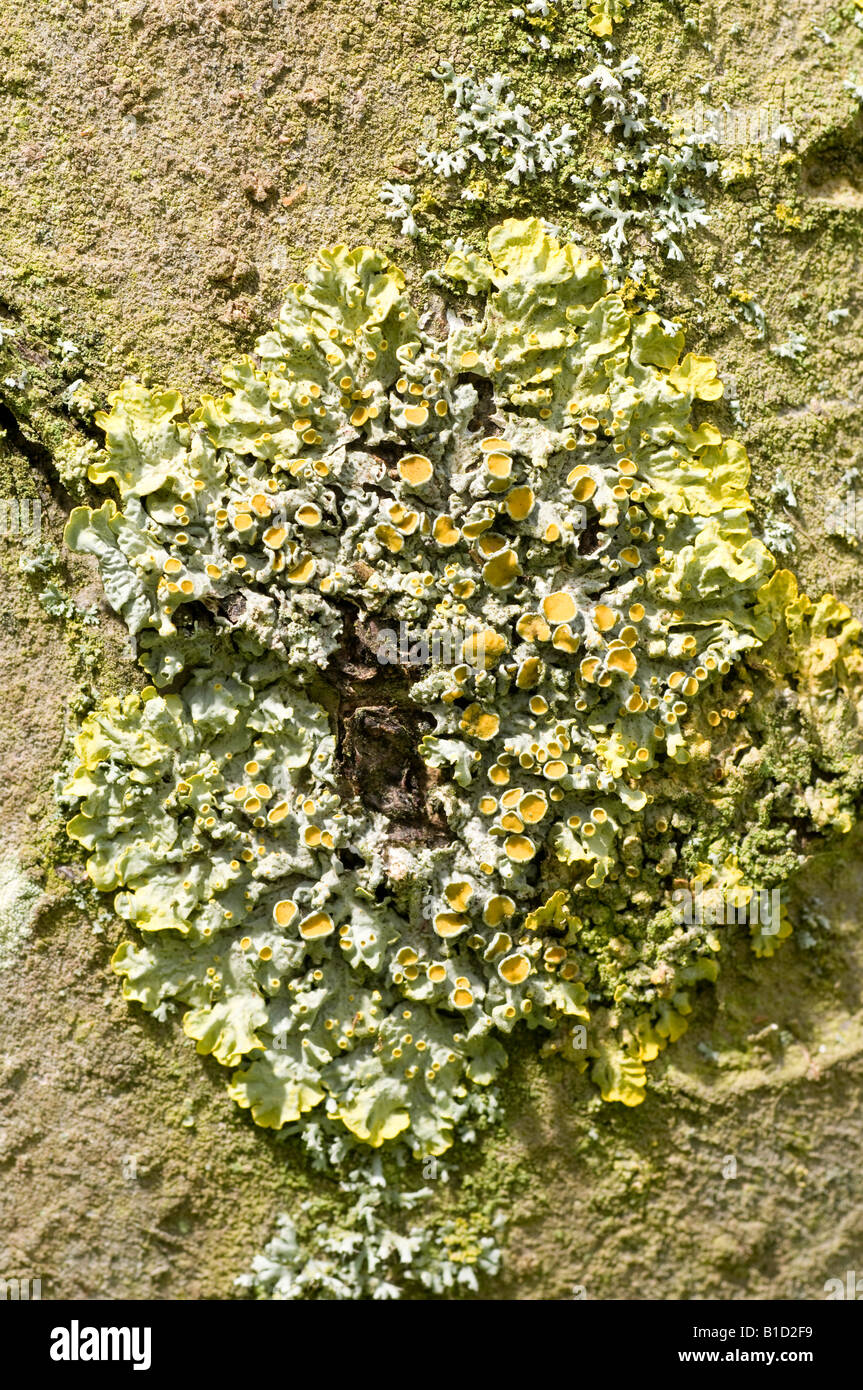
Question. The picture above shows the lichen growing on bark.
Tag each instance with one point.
(540, 500)
(18, 897)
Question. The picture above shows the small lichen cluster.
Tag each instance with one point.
(368, 1251)
(604, 14)
(649, 180)
(537, 484)
(647, 184)
(492, 126)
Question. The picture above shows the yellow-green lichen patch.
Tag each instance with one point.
(576, 566)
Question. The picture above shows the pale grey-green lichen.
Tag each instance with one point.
(369, 1251)
(647, 185)
(18, 897)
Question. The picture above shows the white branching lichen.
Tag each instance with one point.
(399, 199)
(368, 1251)
(493, 127)
(648, 181)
